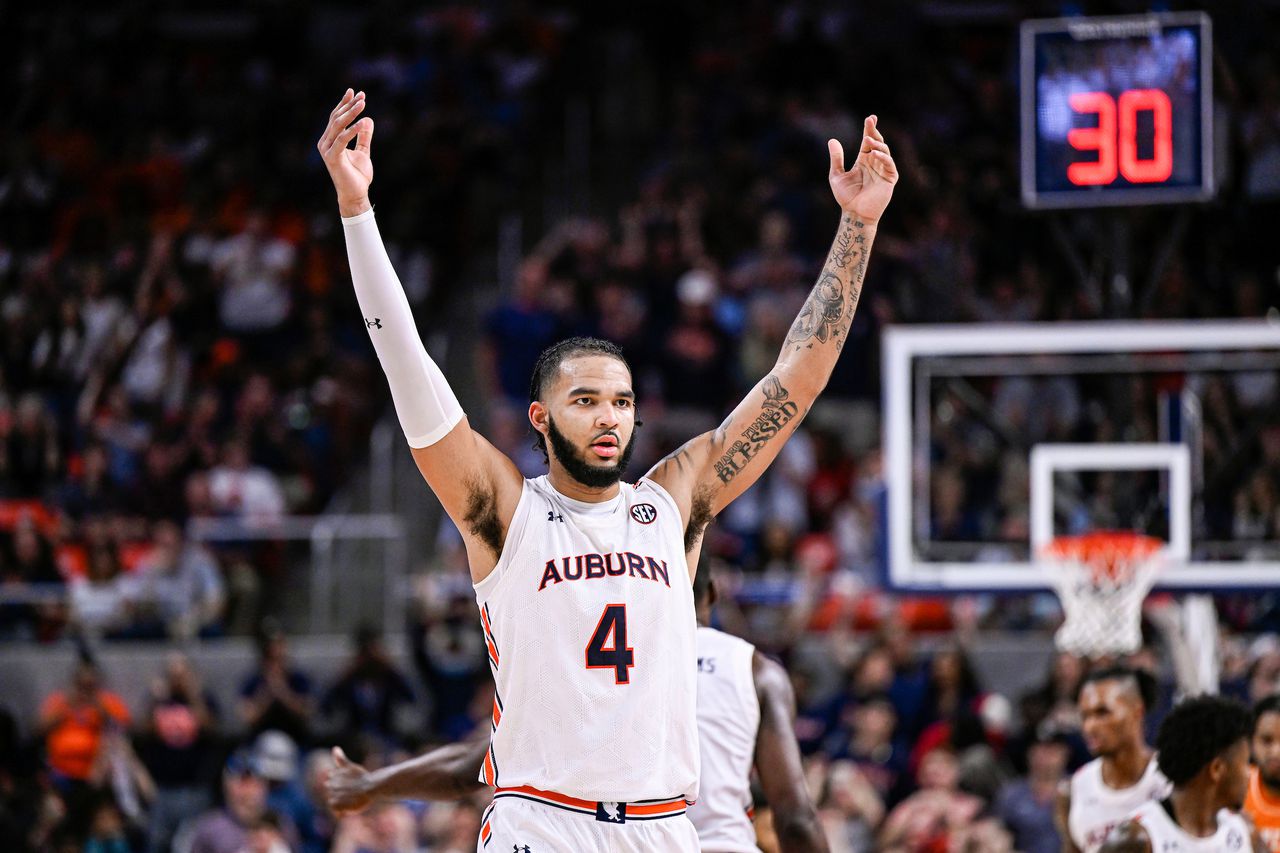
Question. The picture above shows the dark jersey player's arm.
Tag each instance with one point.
(778, 762)
(713, 469)
(446, 773)
(1062, 816)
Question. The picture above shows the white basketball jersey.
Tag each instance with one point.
(1166, 836)
(728, 723)
(590, 626)
(1097, 808)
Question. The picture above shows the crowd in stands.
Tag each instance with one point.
(905, 749)
(178, 341)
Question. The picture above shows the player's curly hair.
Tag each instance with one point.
(1144, 682)
(549, 362)
(1196, 731)
(1266, 705)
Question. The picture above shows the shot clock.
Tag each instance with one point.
(1117, 110)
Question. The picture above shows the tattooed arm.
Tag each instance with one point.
(707, 473)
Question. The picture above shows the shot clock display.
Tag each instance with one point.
(1117, 110)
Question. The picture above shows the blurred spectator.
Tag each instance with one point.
(516, 331)
(850, 809)
(277, 695)
(242, 490)
(252, 268)
(90, 489)
(694, 356)
(276, 757)
(865, 737)
(1261, 128)
(243, 814)
(30, 460)
(177, 590)
(382, 828)
(1054, 701)
(448, 652)
(178, 744)
(368, 692)
(1027, 805)
(951, 687)
(74, 722)
(107, 831)
(929, 818)
(27, 569)
(266, 835)
(316, 824)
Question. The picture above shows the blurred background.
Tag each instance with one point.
(216, 557)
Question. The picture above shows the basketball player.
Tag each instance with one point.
(1203, 749)
(1113, 703)
(1262, 804)
(588, 616)
(746, 716)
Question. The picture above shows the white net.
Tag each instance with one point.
(1102, 581)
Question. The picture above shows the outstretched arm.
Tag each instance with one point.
(477, 485)
(778, 762)
(707, 473)
(447, 773)
(1128, 837)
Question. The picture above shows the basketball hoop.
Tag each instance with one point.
(1102, 579)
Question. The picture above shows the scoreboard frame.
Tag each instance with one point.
(1113, 28)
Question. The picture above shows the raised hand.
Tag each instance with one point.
(864, 190)
(350, 168)
(346, 786)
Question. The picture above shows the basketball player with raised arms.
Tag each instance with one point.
(1113, 703)
(746, 718)
(584, 584)
(1262, 805)
(1203, 749)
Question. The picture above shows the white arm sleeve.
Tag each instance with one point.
(424, 402)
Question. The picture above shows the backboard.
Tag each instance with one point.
(999, 437)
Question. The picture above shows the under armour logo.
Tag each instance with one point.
(375, 323)
(516, 848)
(552, 515)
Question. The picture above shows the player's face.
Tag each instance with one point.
(590, 419)
(1266, 748)
(1234, 784)
(1108, 716)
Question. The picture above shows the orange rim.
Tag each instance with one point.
(1110, 553)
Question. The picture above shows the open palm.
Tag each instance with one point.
(350, 168)
(864, 190)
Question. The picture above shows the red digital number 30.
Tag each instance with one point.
(1115, 139)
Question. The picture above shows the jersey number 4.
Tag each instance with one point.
(618, 656)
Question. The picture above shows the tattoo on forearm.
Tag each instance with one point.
(820, 317)
(775, 413)
(842, 251)
(828, 312)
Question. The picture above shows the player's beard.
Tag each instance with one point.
(576, 465)
(1272, 781)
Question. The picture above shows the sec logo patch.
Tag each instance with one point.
(644, 513)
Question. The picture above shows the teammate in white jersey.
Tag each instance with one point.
(1102, 793)
(1203, 748)
(746, 718)
(588, 618)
